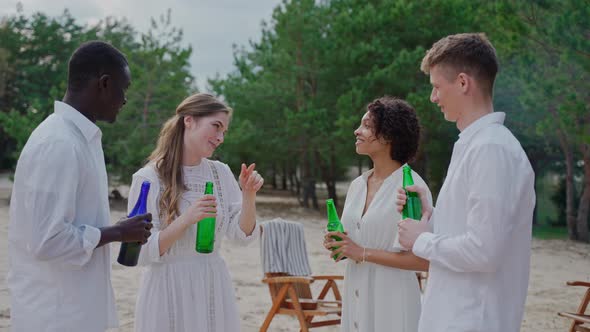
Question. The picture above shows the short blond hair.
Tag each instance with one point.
(470, 53)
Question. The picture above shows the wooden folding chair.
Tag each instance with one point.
(292, 295)
(581, 319)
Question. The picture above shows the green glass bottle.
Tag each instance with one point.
(413, 207)
(334, 224)
(206, 229)
(129, 251)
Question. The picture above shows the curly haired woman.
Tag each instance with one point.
(382, 291)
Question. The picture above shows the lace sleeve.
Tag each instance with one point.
(232, 199)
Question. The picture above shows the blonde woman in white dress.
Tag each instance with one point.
(381, 291)
(182, 290)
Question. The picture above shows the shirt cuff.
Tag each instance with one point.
(421, 245)
(90, 238)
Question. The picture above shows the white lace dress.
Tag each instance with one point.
(183, 290)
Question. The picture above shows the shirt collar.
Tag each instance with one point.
(87, 127)
(484, 121)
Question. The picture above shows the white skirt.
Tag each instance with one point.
(187, 293)
(379, 298)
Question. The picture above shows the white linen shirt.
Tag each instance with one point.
(479, 251)
(59, 281)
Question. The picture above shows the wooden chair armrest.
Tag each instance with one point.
(577, 317)
(328, 277)
(272, 280)
(578, 283)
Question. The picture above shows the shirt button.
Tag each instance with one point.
(356, 325)
(358, 225)
(356, 292)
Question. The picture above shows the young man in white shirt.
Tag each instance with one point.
(478, 237)
(59, 231)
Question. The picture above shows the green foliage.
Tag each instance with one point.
(300, 90)
(306, 82)
(549, 56)
(549, 232)
(19, 127)
(34, 54)
(161, 79)
(33, 62)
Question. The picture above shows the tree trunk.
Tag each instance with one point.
(328, 174)
(569, 186)
(284, 177)
(582, 223)
(274, 176)
(295, 185)
(332, 178)
(569, 176)
(309, 192)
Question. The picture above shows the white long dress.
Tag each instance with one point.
(183, 290)
(376, 297)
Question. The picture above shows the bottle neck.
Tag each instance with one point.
(332, 215)
(407, 177)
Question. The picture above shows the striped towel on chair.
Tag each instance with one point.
(283, 248)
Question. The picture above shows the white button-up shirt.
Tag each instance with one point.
(59, 281)
(479, 251)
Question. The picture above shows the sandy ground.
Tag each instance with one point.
(553, 263)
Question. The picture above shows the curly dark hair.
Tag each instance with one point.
(395, 121)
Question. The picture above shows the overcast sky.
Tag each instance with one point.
(210, 26)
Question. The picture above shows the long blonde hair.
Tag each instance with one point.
(167, 157)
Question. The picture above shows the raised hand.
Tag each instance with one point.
(135, 229)
(250, 181)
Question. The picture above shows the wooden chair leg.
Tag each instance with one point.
(581, 310)
(330, 284)
(325, 290)
(275, 307)
(337, 295)
(584, 303)
(298, 309)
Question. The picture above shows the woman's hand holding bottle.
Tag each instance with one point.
(204, 207)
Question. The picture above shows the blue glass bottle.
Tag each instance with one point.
(129, 252)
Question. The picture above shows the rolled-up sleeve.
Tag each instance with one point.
(150, 252)
(44, 208)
